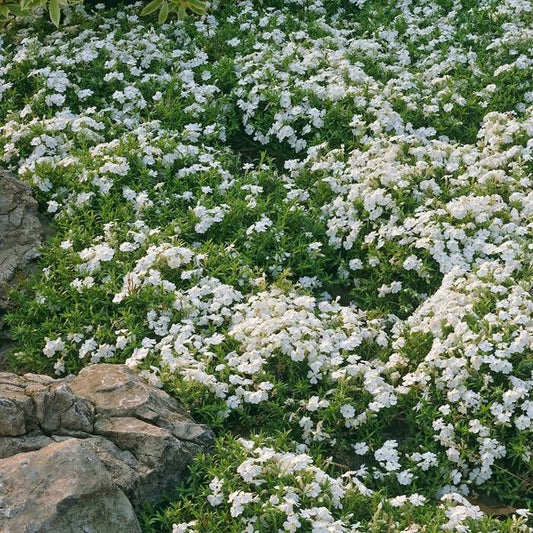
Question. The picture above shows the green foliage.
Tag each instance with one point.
(155, 131)
(10, 9)
(179, 7)
(34, 8)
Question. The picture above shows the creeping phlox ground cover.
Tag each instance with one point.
(311, 222)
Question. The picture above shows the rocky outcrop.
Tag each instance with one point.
(62, 487)
(73, 449)
(20, 239)
(20, 229)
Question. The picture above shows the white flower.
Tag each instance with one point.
(260, 226)
(53, 206)
(216, 497)
(84, 93)
(95, 255)
(238, 500)
(53, 346)
(398, 501)
(412, 263)
(183, 527)
(361, 448)
(405, 477)
(347, 411)
(118, 166)
(55, 99)
(388, 456)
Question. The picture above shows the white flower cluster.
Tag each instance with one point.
(292, 82)
(449, 222)
(289, 489)
(301, 505)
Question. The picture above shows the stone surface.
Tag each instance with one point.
(21, 233)
(20, 230)
(121, 392)
(63, 487)
(137, 439)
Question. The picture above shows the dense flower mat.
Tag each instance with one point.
(311, 221)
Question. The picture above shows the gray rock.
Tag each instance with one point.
(137, 434)
(28, 443)
(145, 421)
(124, 469)
(115, 390)
(62, 488)
(20, 230)
(16, 411)
(58, 410)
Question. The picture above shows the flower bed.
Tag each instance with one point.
(311, 222)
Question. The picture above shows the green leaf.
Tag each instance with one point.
(198, 6)
(163, 13)
(151, 7)
(32, 4)
(182, 12)
(17, 10)
(55, 12)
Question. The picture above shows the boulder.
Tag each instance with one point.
(20, 230)
(64, 487)
(137, 439)
(116, 391)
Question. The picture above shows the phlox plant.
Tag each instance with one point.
(310, 222)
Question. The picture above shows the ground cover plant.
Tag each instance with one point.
(311, 222)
